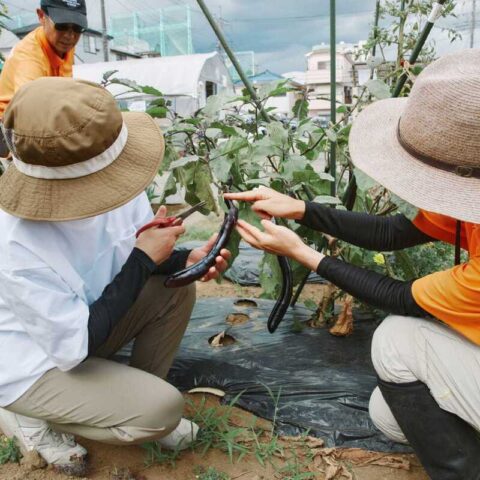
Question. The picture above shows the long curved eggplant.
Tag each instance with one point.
(198, 270)
(283, 302)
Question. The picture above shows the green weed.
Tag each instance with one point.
(217, 432)
(155, 454)
(209, 474)
(9, 451)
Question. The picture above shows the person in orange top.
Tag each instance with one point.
(47, 51)
(426, 353)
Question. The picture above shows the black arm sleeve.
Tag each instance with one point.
(174, 263)
(117, 297)
(393, 296)
(364, 230)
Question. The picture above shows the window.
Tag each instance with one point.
(323, 65)
(120, 57)
(347, 91)
(210, 88)
(89, 43)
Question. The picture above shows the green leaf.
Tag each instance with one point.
(378, 88)
(364, 182)
(169, 189)
(271, 89)
(213, 132)
(107, 75)
(278, 134)
(270, 276)
(127, 83)
(184, 161)
(342, 109)
(331, 135)
(202, 186)
(233, 145)
(157, 112)
(405, 262)
(300, 109)
(170, 156)
(151, 91)
(293, 164)
(214, 105)
(221, 167)
(226, 129)
(318, 185)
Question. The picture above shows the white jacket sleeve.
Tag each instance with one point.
(54, 317)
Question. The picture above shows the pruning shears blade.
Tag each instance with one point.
(191, 210)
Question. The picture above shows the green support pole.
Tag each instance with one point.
(375, 28)
(233, 59)
(417, 49)
(333, 95)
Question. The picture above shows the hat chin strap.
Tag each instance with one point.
(76, 170)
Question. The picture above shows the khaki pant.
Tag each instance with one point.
(407, 349)
(109, 402)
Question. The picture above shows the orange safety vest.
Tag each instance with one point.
(32, 58)
(453, 295)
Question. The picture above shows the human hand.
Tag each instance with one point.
(221, 262)
(158, 243)
(268, 203)
(281, 241)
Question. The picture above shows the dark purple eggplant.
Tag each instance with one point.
(281, 306)
(199, 269)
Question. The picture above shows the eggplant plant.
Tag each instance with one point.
(228, 144)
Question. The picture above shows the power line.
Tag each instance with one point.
(305, 17)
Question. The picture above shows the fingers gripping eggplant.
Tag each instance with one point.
(283, 302)
(199, 269)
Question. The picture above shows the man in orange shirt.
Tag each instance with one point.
(48, 51)
(426, 353)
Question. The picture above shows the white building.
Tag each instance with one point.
(186, 80)
(349, 74)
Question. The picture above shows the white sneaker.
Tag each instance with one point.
(59, 450)
(182, 437)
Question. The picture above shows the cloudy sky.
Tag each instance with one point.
(280, 32)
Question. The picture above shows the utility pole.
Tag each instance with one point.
(104, 31)
(473, 23)
(333, 94)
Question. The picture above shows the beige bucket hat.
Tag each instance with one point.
(75, 155)
(426, 148)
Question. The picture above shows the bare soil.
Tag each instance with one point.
(108, 462)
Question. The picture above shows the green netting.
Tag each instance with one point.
(167, 31)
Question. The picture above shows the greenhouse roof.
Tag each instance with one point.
(263, 77)
(173, 75)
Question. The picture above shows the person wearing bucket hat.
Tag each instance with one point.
(47, 51)
(75, 283)
(426, 353)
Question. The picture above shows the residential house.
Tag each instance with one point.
(350, 72)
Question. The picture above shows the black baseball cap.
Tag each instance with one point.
(66, 11)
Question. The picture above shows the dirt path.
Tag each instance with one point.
(284, 459)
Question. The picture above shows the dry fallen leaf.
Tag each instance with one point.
(344, 323)
(213, 391)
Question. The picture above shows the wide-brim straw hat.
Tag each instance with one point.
(75, 155)
(426, 148)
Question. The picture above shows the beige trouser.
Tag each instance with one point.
(407, 349)
(113, 403)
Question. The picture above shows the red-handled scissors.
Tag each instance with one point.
(170, 221)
